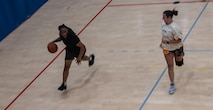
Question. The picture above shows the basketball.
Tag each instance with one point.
(52, 47)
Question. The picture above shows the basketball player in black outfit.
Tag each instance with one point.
(75, 49)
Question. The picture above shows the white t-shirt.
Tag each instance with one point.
(171, 32)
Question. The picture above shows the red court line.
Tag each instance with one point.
(53, 59)
(95, 16)
(156, 3)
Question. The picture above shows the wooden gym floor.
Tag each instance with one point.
(130, 71)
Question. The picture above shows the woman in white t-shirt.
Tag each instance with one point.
(172, 44)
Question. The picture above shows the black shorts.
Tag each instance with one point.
(178, 52)
(71, 55)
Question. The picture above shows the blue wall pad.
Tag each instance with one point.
(15, 12)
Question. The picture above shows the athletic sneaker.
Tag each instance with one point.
(172, 89)
(62, 87)
(91, 59)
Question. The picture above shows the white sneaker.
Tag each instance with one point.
(172, 89)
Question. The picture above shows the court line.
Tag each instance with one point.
(156, 3)
(152, 51)
(194, 51)
(164, 71)
(53, 59)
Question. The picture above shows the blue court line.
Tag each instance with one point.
(164, 71)
(152, 51)
(187, 35)
(198, 51)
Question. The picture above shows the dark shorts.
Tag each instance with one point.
(178, 52)
(71, 55)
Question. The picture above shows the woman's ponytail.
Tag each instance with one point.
(175, 12)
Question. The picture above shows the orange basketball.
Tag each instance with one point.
(52, 47)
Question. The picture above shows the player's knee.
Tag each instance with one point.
(179, 63)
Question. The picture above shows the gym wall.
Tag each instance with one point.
(15, 12)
